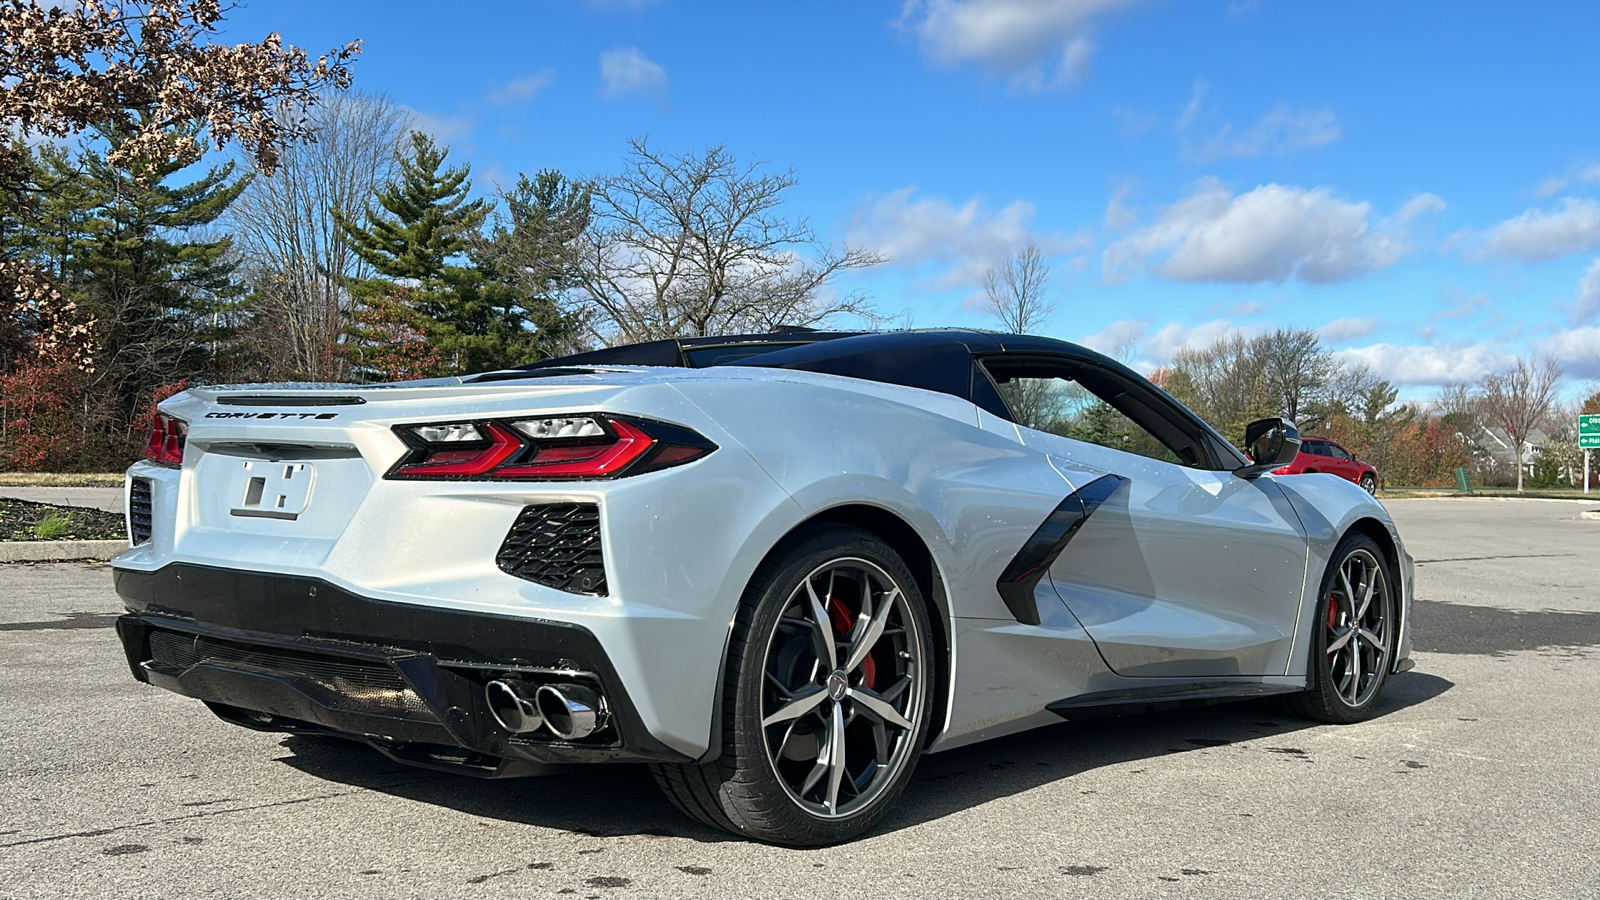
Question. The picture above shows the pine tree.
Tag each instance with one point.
(429, 220)
(531, 251)
(160, 288)
(416, 242)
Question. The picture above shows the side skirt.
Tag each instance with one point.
(1126, 701)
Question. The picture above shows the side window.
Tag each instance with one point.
(1051, 400)
(1336, 451)
(1316, 448)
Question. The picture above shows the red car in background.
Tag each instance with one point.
(1323, 455)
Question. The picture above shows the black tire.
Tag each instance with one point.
(773, 669)
(1338, 689)
(1369, 484)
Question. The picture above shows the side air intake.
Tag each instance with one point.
(141, 509)
(556, 545)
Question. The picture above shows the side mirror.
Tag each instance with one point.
(1271, 444)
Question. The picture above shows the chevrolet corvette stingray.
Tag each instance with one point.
(775, 568)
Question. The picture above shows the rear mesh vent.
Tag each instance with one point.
(140, 511)
(352, 685)
(556, 545)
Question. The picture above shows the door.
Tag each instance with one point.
(1185, 570)
(1343, 464)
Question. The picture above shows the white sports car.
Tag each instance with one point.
(777, 568)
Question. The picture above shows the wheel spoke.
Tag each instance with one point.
(893, 693)
(814, 777)
(880, 742)
(1373, 641)
(1349, 595)
(835, 756)
(783, 745)
(779, 686)
(822, 629)
(1366, 592)
(1343, 638)
(803, 703)
(1355, 670)
(874, 705)
(869, 629)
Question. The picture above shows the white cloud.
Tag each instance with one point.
(966, 240)
(1038, 44)
(522, 88)
(1119, 214)
(626, 70)
(1538, 235)
(1416, 206)
(1119, 334)
(1429, 364)
(446, 128)
(1577, 349)
(1350, 328)
(1164, 343)
(1555, 184)
(1270, 234)
(1192, 109)
(1586, 308)
(1281, 132)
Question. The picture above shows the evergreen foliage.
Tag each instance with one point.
(477, 315)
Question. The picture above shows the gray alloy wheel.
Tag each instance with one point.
(829, 696)
(1369, 483)
(1353, 636)
(844, 668)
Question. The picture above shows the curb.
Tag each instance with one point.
(39, 551)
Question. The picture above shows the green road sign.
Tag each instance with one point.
(1589, 431)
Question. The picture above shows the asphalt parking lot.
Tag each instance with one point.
(1479, 778)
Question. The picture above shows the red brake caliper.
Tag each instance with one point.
(842, 623)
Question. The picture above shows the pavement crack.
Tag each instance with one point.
(101, 832)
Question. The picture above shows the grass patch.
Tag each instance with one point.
(53, 527)
(23, 520)
(60, 479)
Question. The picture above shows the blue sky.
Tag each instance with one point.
(1419, 181)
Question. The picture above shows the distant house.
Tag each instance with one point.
(1496, 446)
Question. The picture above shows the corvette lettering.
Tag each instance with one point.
(268, 415)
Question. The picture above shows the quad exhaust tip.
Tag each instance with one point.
(514, 705)
(572, 711)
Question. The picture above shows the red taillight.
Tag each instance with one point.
(165, 446)
(568, 447)
(466, 462)
(596, 460)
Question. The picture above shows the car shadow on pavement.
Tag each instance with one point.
(608, 801)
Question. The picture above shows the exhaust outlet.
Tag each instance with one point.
(572, 711)
(514, 704)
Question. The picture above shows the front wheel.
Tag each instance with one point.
(827, 696)
(1369, 483)
(1353, 636)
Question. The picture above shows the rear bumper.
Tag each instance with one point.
(297, 654)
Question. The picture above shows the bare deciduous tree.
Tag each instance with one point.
(1296, 370)
(695, 244)
(299, 259)
(1519, 400)
(1014, 292)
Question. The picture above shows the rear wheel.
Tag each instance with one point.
(1353, 636)
(827, 696)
